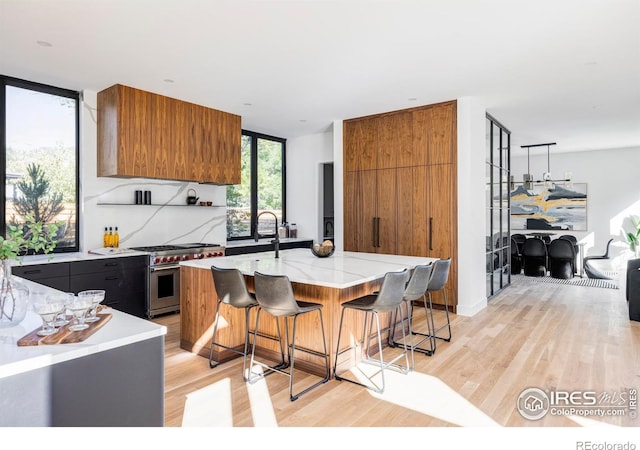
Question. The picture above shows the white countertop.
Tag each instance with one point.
(341, 270)
(123, 329)
(75, 256)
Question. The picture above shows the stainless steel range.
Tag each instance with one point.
(164, 272)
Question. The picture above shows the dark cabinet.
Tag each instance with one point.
(55, 276)
(123, 279)
(633, 289)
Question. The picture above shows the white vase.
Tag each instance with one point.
(14, 298)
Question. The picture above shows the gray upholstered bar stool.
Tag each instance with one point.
(231, 290)
(388, 299)
(275, 297)
(416, 290)
(437, 282)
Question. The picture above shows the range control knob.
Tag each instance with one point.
(164, 259)
(178, 258)
(156, 260)
(170, 258)
(209, 255)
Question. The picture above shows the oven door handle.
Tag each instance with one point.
(158, 269)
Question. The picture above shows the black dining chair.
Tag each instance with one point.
(519, 239)
(516, 258)
(590, 270)
(576, 247)
(562, 259)
(534, 255)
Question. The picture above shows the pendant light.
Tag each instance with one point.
(547, 179)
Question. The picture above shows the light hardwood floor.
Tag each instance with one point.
(550, 336)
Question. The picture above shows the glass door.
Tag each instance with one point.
(498, 206)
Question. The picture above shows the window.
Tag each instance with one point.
(39, 126)
(262, 188)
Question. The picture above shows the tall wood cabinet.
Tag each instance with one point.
(400, 185)
(141, 134)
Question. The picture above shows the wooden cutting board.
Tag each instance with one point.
(64, 335)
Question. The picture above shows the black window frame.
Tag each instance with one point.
(254, 182)
(46, 89)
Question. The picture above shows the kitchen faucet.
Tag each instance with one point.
(276, 241)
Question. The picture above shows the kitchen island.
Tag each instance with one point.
(330, 281)
(113, 378)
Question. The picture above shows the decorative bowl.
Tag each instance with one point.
(323, 251)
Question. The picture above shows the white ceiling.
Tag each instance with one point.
(565, 71)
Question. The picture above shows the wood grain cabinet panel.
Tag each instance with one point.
(406, 203)
(141, 134)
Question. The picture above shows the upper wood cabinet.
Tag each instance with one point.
(141, 134)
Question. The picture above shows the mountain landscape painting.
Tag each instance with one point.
(556, 208)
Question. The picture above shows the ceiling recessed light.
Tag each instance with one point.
(412, 99)
(591, 63)
(247, 104)
(303, 120)
(168, 80)
(44, 44)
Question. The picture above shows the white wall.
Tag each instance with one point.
(613, 190)
(141, 225)
(471, 207)
(305, 156)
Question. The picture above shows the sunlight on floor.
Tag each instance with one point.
(425, 394)
(209, 406)
(261, 407)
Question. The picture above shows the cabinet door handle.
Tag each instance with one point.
(378, 232)
(31, 272)
(110, 264)
(430, 233)
(110, 278)
(373, 237)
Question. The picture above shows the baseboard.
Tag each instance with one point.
(471, 310)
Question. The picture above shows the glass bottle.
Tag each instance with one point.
(110, 238)
(105, 237)
(116, 239)
(293, 231)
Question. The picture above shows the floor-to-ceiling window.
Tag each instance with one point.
(39, 129)
(497, 173)
(262, 188)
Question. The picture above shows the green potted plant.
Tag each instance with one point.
(32, 236)
(632, 235)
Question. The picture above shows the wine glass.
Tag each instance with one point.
(79, 307)
(48, 309)
(66, 297)
(96, 296)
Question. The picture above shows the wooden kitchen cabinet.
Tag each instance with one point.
(405, 203)
(141, 134)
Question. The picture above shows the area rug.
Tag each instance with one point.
(575, 281)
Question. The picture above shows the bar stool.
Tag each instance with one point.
(417, 290)
(231, 290)
(275, 297)
(388, 299)
(437, 282)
